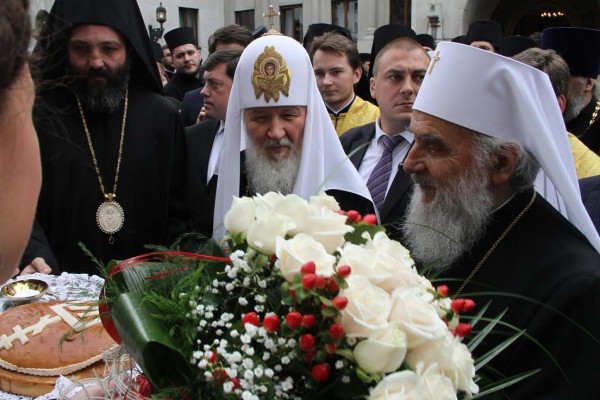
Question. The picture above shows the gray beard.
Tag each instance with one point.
(439, 232)
(103, 99)
(265, 175)
(573, 107)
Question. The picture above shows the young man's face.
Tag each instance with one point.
(335, 78)
(398, 75)
(186, 59)
(216, 92)
(167, 58)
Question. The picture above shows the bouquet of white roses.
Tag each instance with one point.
(305, 301)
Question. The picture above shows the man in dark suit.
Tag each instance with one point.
(204, 140)
(390, 186)
(228, 37)
(590, 195)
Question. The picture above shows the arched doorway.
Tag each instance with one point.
(520, 17)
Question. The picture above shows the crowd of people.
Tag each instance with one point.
(475, 153)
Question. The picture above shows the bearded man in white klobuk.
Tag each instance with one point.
(278, 135)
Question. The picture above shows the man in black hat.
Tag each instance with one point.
(113, 155)
(167, 61)
(186, 58)
(484, 34)
(580, 48)
(512, 45)
(427, 41)
(320, 29)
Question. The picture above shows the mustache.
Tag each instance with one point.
(284, 141)
(98, 73)
(422, 179)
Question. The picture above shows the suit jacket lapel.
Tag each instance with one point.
(205, 142)
(399, 188)
(359, 147)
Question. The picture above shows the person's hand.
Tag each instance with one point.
(37, 265)
(201, 116)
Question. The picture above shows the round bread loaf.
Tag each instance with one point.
(52, 338)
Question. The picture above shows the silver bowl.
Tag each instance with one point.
(24, 291)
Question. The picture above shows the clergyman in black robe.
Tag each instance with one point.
(152, 159)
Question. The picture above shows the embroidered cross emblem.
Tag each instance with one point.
(434, 59)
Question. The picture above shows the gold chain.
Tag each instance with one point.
(594, 114)
(496, 244)
(107, 196)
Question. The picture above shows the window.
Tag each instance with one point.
(189, 17)
(345, 13)
(245, 18)
(400, 12)
(291, 21)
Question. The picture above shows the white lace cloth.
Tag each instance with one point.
(64, 287)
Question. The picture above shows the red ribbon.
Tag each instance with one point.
(136, 262)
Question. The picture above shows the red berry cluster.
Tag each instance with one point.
(355, 217)
(458, 306)
(316, 303)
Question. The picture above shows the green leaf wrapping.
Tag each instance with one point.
(148, 342)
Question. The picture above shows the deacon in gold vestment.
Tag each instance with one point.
(338, 68)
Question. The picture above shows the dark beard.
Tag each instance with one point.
(102, 99)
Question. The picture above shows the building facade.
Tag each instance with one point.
(444, 19)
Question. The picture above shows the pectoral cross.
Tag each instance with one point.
(271, 15)
(434, 60)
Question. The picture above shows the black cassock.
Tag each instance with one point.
(546, 259)
(150, 184)
(580, 126)
(180, 84)
(202, 210)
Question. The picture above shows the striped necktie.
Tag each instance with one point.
(378, 181)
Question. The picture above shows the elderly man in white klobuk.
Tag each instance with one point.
(483, 126)
(276, 114)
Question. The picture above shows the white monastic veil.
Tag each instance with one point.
(324, 164)
(504, 98)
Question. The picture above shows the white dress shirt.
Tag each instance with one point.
(213, 161)
(375, 149)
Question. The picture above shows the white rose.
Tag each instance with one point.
(368, 307)
(294, 252)
(436, 385)
(240, 216)
(418, 318)
(266, 228)
(294, 207)
(452, 357)
(383, 351)
(382, 243)
(267, 200)
(404, 385)
(379, 267)
(326, 201)
(328, 228)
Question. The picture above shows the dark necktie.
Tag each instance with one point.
(378, 181)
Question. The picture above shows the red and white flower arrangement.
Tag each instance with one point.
(316, 303)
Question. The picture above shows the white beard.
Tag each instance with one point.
(439, 232)
(574, 105)
(265, 175)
